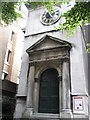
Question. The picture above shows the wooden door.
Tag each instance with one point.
(49, 92)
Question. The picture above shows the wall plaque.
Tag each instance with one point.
(78, 103)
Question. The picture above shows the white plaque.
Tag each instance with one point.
(78, 104)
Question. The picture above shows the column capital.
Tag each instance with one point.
(60, 78)
(31, 63)
(66, 60)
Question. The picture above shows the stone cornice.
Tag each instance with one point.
(49, 59)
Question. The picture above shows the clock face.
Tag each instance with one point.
(49, 19)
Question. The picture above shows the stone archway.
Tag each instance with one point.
(49, 92)
(45, 54)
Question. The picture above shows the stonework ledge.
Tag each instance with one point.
(40, 116)
(46, 116)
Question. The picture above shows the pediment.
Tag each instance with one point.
(47, 42)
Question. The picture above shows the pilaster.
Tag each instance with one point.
(29, 101)
(66, 98)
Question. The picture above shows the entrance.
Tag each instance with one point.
(49, 92)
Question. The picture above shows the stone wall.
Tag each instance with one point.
(78, 65)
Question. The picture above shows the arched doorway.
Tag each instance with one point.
(49, 92)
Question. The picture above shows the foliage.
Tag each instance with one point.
(88, 47)
(48, 4)
(33, 5)
(9, 14)
(74, 17)
(8, 107)
(7, 99)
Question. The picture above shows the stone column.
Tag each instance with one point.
(29, 102)
(36, 95)
(60, 93)
(66, 102)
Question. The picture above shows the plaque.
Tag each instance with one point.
(78, 104)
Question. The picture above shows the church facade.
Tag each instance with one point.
(53, 79)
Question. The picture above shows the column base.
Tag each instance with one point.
(66, 113)
(28, 112)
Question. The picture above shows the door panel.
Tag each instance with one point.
(49, 92)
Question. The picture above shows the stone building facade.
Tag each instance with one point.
(53, 78)
(11, 44)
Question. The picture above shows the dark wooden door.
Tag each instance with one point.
(49, 92)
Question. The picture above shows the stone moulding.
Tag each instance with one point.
(61, 43)
(48, 52)
(48, 48)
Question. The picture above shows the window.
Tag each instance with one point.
(8, 55)
(4, 75)
(11, 38)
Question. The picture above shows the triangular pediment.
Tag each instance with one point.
(47, 42)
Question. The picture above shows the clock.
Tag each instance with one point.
(49, 19)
